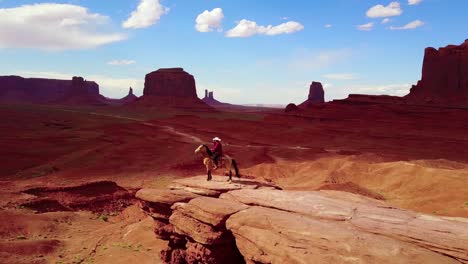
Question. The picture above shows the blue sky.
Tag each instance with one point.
(345, 44)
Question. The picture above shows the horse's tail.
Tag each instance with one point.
(234, 163)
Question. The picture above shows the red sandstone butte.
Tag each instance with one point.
(170, 82)
(316, 95)
(444, 77)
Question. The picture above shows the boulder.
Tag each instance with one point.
(291, 108)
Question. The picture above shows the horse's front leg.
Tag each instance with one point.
(230, 176)
(209, 176)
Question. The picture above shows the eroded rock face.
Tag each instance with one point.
(444, 77)
(252, 222)
(170, 82)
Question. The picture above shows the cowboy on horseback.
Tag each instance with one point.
(217, 150)
(214, 159)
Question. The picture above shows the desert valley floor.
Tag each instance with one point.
(69, 174)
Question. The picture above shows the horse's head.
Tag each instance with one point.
(203, 149)
(199, 149)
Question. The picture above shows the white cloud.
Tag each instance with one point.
(121, 62)
(340, 76)
(109, 86)
(386, 20)
(209, 20)
(314, 61)
(51, 26)
(366, 27)
(147, 13)
(411, 25)
(388, 89)
(247, 28)
(328, 26)
(414, 2)
(285, 18)
(392, 9)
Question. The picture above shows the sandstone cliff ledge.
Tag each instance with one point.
(255, 222)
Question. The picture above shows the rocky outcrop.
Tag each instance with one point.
(316, 95)
(255, 222)
(82, 92)
(210, 100)
(17, 89)
(444, 77)
(291, 108)
(130, 97)
(170, 82)
(195, 223)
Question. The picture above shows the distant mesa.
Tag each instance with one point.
(316, 95)
(444, 77)
(82, 92)
(170, 82)
(16, 89)
(171, 87)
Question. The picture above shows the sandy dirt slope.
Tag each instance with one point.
(430, 186)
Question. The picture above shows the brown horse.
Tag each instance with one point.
(224, 162)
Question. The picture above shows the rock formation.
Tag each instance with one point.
(130, 97)
(255, 222)
(291, 108)
(170, 82)
(171, 88)
(82, 92)
(35, 90)
(316, 95)
(210, 100)
(444, 77)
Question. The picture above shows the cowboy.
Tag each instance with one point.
(217, 150)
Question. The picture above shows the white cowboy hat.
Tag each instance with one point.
(216, 139)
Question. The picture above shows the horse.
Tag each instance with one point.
(223, 162)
